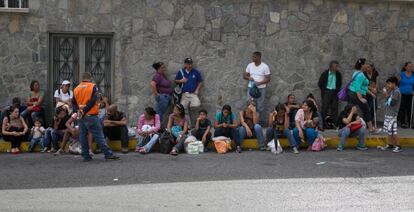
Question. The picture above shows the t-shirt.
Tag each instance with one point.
(202, 126)
(163, 84)
(360, 83)
(343, 115)
(393, 102)
(62, 124)
(258, 73)
(63, 96)
(118, 116)
(406, 83)
(193, 79)
(331, 85)
(229, 119)
(181, 123)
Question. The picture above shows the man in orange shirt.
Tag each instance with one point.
(85, 103)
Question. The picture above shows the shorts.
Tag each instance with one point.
(390, 125)
(189, 99)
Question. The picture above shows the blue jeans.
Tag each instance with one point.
(150, 143)
(271, 133)
(162, 104)
(35, 141)
(33, 115)
(52, 136)
(309, 133)
(256, 132)
(91, 124)
(345, 132)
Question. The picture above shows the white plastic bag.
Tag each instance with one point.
(75, 147)
(275, 147)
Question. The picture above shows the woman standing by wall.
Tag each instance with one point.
(406, 80)
(372, 75)
(357, 92)
(161, 88)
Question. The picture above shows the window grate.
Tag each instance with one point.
(22, 4)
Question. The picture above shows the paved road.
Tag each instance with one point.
(251, 181)
(332, 194)
(38, 170)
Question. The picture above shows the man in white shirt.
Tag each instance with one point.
(258, 73)
(63, 96)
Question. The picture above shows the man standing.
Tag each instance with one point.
(258, 73)
(85, 103)
(330, 83)
(190, 80)
(115, 127)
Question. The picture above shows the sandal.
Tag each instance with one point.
(143, 151)
(174, 152)
(138, 149)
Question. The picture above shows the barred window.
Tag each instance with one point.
(21, 6)
(72, 55)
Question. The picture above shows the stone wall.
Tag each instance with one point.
(297, 38)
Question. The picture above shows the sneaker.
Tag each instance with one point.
(404, 126)
(59, 152)
(386, 147)
(113, 157)
(238, 149)
(53, 150)
(91, 153)
(124, 150)
(362, 148)
(375, 131)
(397, 149)
(44, 150)
(87, 159)
(340, 149)
(262, 148)
(97, 151)
(295, 150)
(138, 149)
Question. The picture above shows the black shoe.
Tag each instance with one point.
(113, 157)
(404, 126)
(97, 151)
(87, 159)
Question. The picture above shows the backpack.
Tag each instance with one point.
(166, 143)
(319, 144)
(61, 89)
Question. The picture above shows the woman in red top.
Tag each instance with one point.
(34, 102)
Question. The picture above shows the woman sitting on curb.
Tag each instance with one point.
(306, 120)
(178, 127)
(14, 129)
(225, 123)
(250, 127)
(279, 126)
(151, 120)
(351, 125)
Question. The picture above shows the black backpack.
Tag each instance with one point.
(166, 143)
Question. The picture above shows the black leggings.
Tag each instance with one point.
(353, 99)
(15, 140)
(404, 115)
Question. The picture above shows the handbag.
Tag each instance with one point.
(166, 143)
(319, 144)
(254, 91)
(343, 93)
(355, 127)
(178, 90)
(222, 144)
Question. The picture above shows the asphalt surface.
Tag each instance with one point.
(37, 170)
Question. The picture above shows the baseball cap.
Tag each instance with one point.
(65, 82)
(188, 60)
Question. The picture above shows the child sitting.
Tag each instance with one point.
(202, 128)
(37, 132)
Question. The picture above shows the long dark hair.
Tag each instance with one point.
(404, 68)
(150, 111)
(360, 62)
(311, 105)
(181, 108)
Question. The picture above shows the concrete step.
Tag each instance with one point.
(332, 142)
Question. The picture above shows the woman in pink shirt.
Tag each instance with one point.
(147, 130)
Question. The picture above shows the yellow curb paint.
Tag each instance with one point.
(332, 142)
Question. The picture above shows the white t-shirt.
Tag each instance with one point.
(258, 73)
(63, 96)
